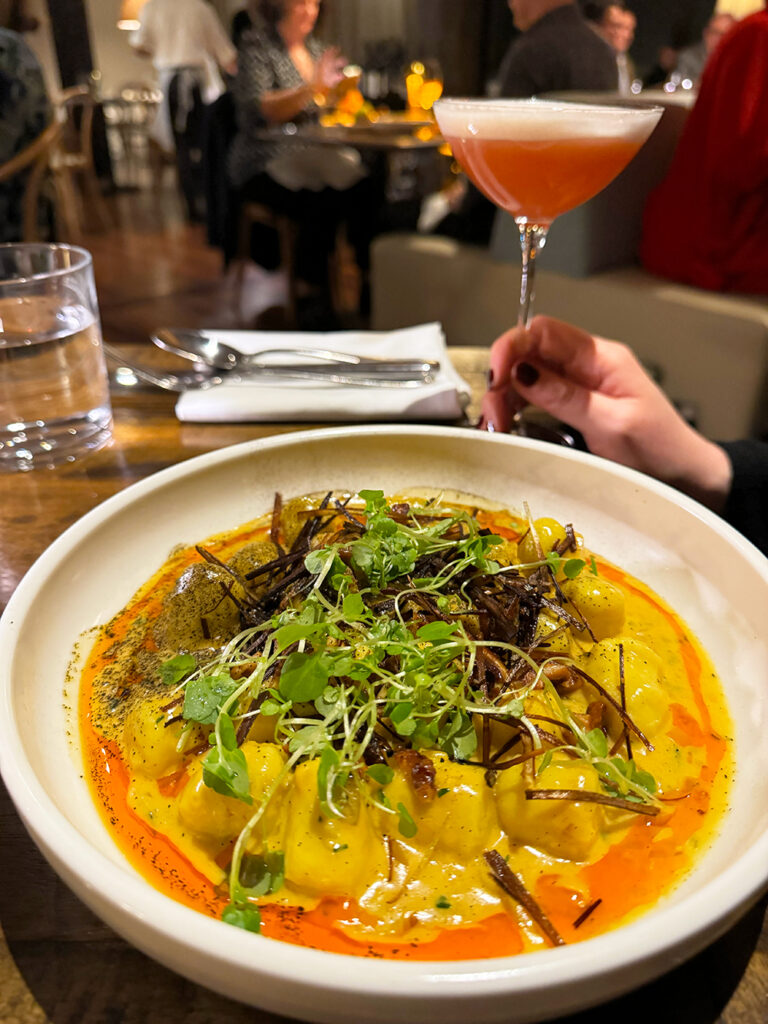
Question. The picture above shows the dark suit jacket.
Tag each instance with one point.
(559, 53)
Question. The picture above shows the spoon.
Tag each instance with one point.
(204, 376)
(201, 347)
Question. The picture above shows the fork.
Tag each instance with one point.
(204, 376)
(205, 347)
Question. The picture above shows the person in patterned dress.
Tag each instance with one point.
(283, 72)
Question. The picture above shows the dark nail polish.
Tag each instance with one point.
(481, 423)
(490, 378)
(526, 374)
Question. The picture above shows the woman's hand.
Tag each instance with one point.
(328, 70)
(600, 389)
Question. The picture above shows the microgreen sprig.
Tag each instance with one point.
(333, 669)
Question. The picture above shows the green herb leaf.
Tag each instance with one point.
(303, 677)
(353, 609)
(309, 740)
(204, 697)
(597, 742)
(173, 671)
(381, 773)
(406, 825)
(263, 874)
(442, 792)
(554, 561)
(593, 566)
(400, 712)
(573, 567)
(295, 631)
(442, 903)
(227, 732)
(329, 760)
(315, 560)
(426, 733)
(270, 707)
(646, 781)
(242, 916)
(514, 708)
(226, 772)
(437, 630)
(385, 552)
(401, 717)
(459, 739)
(374, 501)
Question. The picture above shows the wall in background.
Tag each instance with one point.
(666, 23)
(466, 36)
(112, 53)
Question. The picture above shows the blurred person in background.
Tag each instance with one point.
(706, 224)
(616, 24)
(600, 389)
(25, 109)
(692, 60)
(284, 72)
(556, 51)
(189, 48)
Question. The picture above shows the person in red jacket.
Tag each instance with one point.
(707, 223)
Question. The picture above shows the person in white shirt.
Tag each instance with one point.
(189, 49)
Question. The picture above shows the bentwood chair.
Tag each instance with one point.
(72, 164)
(33, 161)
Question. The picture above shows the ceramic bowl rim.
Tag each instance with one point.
(703, 913)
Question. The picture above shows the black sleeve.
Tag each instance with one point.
(747, 506)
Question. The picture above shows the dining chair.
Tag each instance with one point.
(72, 164)
(138, 159)
(34, 161)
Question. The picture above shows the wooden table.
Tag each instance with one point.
(60, 964)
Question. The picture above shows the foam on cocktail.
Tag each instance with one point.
(545, 120)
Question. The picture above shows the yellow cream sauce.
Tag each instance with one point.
(358, 886)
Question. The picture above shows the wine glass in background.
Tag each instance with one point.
(537, 159)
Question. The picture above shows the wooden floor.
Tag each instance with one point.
(154, 269)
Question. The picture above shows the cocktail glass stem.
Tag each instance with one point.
(533, 237)
(532, 240)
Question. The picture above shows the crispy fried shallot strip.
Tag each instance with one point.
(616, 707)
(274, 526)
(586, 913)
(589, 797)
(512, 885)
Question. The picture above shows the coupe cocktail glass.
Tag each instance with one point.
(537, 159)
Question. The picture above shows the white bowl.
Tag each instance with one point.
(710, 574)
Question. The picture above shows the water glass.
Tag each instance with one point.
(54, 387)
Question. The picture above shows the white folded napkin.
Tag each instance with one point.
(271, 399)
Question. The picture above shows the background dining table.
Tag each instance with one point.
(59, 963)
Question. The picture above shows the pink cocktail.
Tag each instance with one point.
(537, 158)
